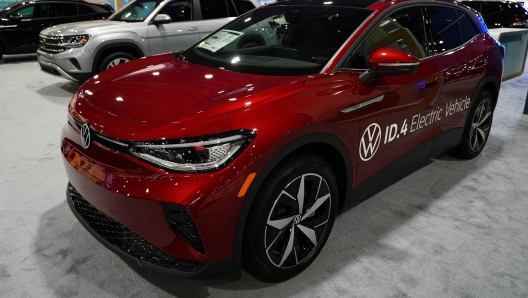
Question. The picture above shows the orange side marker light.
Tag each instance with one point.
(246, 184)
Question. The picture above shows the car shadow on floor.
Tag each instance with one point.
(59, 93)
(72, 262)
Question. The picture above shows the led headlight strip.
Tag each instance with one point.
(202, 154)
(75, 41)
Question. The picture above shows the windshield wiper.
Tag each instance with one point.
(178, 55)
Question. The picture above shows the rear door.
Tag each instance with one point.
(181, 33)
(400, 110)
(463, 61)
(23, 37)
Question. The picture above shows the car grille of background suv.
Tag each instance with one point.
(51, 44)
(124, 239)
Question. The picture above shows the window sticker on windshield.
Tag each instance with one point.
(220, 40)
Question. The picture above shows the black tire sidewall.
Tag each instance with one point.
(112, 56)
(256, 261)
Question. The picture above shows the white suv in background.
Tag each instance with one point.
(78, 51)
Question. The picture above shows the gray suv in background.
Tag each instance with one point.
(78, 51)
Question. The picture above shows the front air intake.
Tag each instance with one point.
(182, 224)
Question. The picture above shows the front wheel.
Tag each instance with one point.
(115, 59)
(477, 128)
(291, 219)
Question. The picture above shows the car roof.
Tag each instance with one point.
(342, 3)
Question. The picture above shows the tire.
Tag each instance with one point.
(279, 241)
(1, 52)
(115, 59)
(477, 129)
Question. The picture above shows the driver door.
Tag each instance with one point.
(398, 111)
(26, 28)
(179, 34)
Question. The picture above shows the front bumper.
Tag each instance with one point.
(60, 64)
(132, 195)
(131, 247)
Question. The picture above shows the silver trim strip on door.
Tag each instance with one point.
(363, 104)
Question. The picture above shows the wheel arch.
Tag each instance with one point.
(124, 46)
(493, 86)
(336, 155)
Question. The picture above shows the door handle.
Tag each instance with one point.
(193, 28)
(431, 84)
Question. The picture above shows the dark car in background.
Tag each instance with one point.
(501, 14)
(21, 22)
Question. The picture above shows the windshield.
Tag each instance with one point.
(279, 40)
(136, 11)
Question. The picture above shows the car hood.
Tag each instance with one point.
(162, 89)
(88, 27)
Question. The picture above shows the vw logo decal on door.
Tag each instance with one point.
(85, 135)
(370, 142)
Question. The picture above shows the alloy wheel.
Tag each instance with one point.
(480, 126)
(116, 62)
(297, 221)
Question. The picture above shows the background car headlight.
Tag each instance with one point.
(204, 154)
(75, 41)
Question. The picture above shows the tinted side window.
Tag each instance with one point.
(488, 9)
(214, 9)
(25, 13)
(85, 9)
(180, 11)
(99, 9)
(231, 8)
(445, 28)
(466, 26)
(243, 6)
(65, 10)
(33, 12)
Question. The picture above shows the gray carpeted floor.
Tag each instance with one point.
(452, 229)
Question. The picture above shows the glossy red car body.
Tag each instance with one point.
(183, 100)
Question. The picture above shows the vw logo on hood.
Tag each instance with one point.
(85, 135)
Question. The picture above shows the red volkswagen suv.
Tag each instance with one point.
(241, 151)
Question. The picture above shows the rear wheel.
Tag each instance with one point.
(291, 219)
(477, 128)
(115, 59)
(1, 52)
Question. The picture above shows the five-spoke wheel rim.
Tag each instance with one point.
(480, 125)
(116, 62)
(298, 221)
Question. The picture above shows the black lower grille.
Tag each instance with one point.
(124, 239)
(49, 69)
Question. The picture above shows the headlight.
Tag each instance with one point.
(203, 154)
(75, 41)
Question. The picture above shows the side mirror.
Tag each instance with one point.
(161, 19)
(389, 62)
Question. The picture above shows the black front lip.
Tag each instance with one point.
(210, 270)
